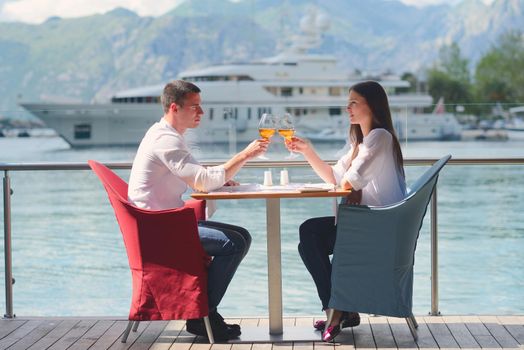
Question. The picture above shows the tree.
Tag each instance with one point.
(450, 78)
(499, 75)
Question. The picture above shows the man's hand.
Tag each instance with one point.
(256, 148)
(231, 183)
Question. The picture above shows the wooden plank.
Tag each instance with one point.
(440, 332)
(19, 333)
(168, 335)
(246, 322)
(92, 335)
(382, 332)
(403, 337)
(460, 332)
(184, 340)
(517, 331)
(283, 346)
(9, 325)
(501, 335)
(55, 335)
(77, 331)
(301, 321)
(112, 336)
(149, 335)
(262, 346)
(362, 336)
(425, 338)
(303, 346)
(35, 335)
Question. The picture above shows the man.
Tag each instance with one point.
(163, 169)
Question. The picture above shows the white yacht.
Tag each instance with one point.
(234, 96)
(515, 126)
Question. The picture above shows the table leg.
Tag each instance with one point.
(277, 332)
(274, 266)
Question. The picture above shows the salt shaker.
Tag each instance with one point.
(268, 181)
(284, 177)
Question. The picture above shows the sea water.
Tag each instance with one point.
(69, 259)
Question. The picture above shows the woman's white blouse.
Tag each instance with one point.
(373, 171)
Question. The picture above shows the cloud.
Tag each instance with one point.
(422, 3)
(37, 11)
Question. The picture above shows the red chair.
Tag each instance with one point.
(167, 261)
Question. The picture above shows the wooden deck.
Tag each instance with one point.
(374, 332)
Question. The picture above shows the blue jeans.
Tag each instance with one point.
(317, 239)
(227, 244)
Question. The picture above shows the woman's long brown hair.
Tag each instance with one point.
(377, 100)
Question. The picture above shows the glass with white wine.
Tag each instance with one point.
(266, 128)
(286, 129)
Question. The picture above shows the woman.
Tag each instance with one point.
(372, 169)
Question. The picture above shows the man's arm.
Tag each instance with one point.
(252, 150)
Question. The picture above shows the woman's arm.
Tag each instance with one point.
(322, 169)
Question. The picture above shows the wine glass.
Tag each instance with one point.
(286, 129)
(266, 129)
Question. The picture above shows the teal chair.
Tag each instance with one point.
(374, 253)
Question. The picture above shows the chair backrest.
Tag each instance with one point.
(167, 261)
(116, 189)
(374, 251)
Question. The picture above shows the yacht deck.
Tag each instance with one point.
(506, 332)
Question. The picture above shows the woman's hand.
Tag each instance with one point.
(298, 145)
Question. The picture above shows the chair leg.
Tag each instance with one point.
(413, 320)
(136, 326)
(209, 330)
(126, 332)
(412, 324)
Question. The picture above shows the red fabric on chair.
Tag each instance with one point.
(167, 261)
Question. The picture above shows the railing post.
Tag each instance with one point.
(8, 267)
(434, 255)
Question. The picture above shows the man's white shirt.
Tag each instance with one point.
(164, 168)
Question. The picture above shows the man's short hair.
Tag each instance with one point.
(176, 92)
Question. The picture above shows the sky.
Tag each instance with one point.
(37, 11)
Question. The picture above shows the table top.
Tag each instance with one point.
(257, 191)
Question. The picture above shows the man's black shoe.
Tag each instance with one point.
(196, 327)
(217, 318)
(220, 332)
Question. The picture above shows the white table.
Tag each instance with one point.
(272, 195)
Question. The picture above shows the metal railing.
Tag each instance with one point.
(8, 191)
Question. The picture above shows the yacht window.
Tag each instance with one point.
(249, 113)
(139, 99)
(82, 131)
(334, 111)
(334, 91)
(211, 113)
(286, 91)
(301, 90)
(235, 113)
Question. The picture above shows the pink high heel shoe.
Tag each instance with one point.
(330, 333)
(319, 325)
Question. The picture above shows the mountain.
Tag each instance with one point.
(90, 58)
